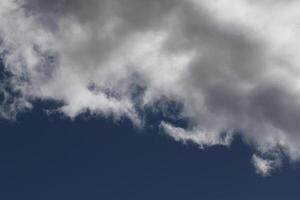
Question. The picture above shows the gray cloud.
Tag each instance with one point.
(234, 69)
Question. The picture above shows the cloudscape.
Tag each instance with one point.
(232, 67)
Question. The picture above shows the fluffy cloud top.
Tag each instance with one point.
(233, 66)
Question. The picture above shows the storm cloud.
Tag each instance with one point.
(232, 66)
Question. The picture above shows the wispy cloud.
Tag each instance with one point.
(264, 166)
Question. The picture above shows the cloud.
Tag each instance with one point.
(233, 67)
(264, 166)
(203, 138)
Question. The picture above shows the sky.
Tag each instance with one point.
(213, 84)
(44, 157)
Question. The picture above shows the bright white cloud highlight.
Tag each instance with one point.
(263, 166)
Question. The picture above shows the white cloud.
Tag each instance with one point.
(203, 138)
(263, 166)
(232, 66)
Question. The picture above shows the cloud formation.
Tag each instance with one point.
(233, 67)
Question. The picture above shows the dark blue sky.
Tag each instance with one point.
(50, 157)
